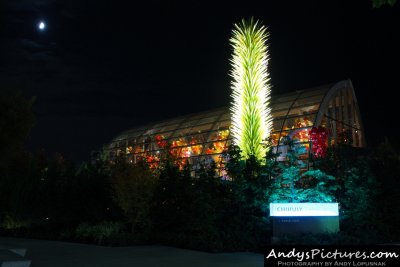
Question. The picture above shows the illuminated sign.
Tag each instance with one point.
(303, 209)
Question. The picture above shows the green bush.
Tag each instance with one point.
(366, 179)
(203, 212)
(10, 222)
(98, 233)
(133, 187)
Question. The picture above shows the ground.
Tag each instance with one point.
(43, 253)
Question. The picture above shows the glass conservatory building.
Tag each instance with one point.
(203, 137)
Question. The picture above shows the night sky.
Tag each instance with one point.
(101, 67)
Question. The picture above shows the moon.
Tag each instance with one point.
(42, 26)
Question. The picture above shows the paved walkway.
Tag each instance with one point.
(44, 253)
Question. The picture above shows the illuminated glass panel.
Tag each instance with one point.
(287, 99)
(298, 122)
(169, 127)
(219, 135)
(281, 106)
(280, 113)
(275, 137)
(201, 128)
(196, 150)
(207, 120)
(277, 125)
(315, 91)
(308, 101)
(197, 138)
(178, 142)
(222, 125)
(226, 116)
(188, 124)
(303, 110)
(283, 136)
(214, 147)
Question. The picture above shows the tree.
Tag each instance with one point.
(16, 121)
(251, 112)
(95, 189)
(247, 198)
(380, 3)
(16, 169)
(293, 184)
(362, 201)
(134, 186)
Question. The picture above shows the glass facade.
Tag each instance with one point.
(203, 137)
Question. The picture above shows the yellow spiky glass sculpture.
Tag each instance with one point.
(251, 92)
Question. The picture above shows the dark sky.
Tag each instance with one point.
(101, 67)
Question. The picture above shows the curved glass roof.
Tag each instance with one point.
(205, 135)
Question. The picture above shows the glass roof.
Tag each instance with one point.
(207, 133)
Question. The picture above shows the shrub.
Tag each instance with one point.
(133, 186)
(10, 222)
(98, 233)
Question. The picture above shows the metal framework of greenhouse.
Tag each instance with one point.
(203, 137)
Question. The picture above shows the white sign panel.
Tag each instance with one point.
(303, 209)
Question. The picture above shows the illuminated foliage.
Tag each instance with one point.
(294, 184)
(251, 114)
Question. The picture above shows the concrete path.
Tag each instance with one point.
(44, 253)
